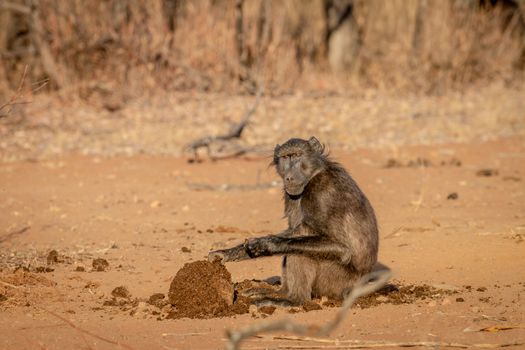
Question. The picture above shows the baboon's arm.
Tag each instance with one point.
(314, 246)
(240, 251)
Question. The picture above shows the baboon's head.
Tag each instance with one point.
(297, 161)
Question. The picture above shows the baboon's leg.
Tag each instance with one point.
(334, 280)
(299, 274)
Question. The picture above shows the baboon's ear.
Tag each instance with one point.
(275, 150)
(316, 145)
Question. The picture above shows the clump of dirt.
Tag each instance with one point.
(311, 306)
(43, 269)
(453, 196)
(100, 264)
(420, 162)
(399, 294)
(52, 257)
(121, 292)
(202, 289)
(267, 310)
(487, 172)
(158, 300)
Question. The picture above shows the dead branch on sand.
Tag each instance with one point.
(366, 285)
(13, 234)
(234, 133)
(314, 333)
(363, 344)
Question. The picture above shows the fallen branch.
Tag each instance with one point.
(369, 344)
(234, 133)
(13, 234)
(366, 285)
(385, 344)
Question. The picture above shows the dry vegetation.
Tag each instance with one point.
(150, 77)
(412, 45)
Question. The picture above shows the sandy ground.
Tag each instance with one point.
(139, 213)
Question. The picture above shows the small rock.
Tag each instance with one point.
(382, 299)
(80, 269)
(460, 300)
(100, 264)
(185, 250)
(43, 269)
(267, 310)
(393, 163)
(155, 204)
(52, 257)
(2, 298)
(158, 300)
(452, 196)
(487, 172)
(482, 289)
(121, 292)
(311, 305)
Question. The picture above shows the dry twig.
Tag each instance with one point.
(13, 234)
(16, 99)
(363, 287)
(364, 344)
(235, 132)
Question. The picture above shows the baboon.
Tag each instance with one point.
(332, 237)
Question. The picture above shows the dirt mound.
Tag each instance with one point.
(202, 289)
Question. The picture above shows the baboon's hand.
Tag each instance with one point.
(258, 247)
(233, 254)
(216, 255)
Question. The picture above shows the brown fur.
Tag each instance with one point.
(332, 236)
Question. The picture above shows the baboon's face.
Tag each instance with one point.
(296, 162)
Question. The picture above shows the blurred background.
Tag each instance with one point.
(128, 77)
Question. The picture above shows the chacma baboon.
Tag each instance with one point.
(331, 240)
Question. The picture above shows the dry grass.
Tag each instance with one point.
(413, 45)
